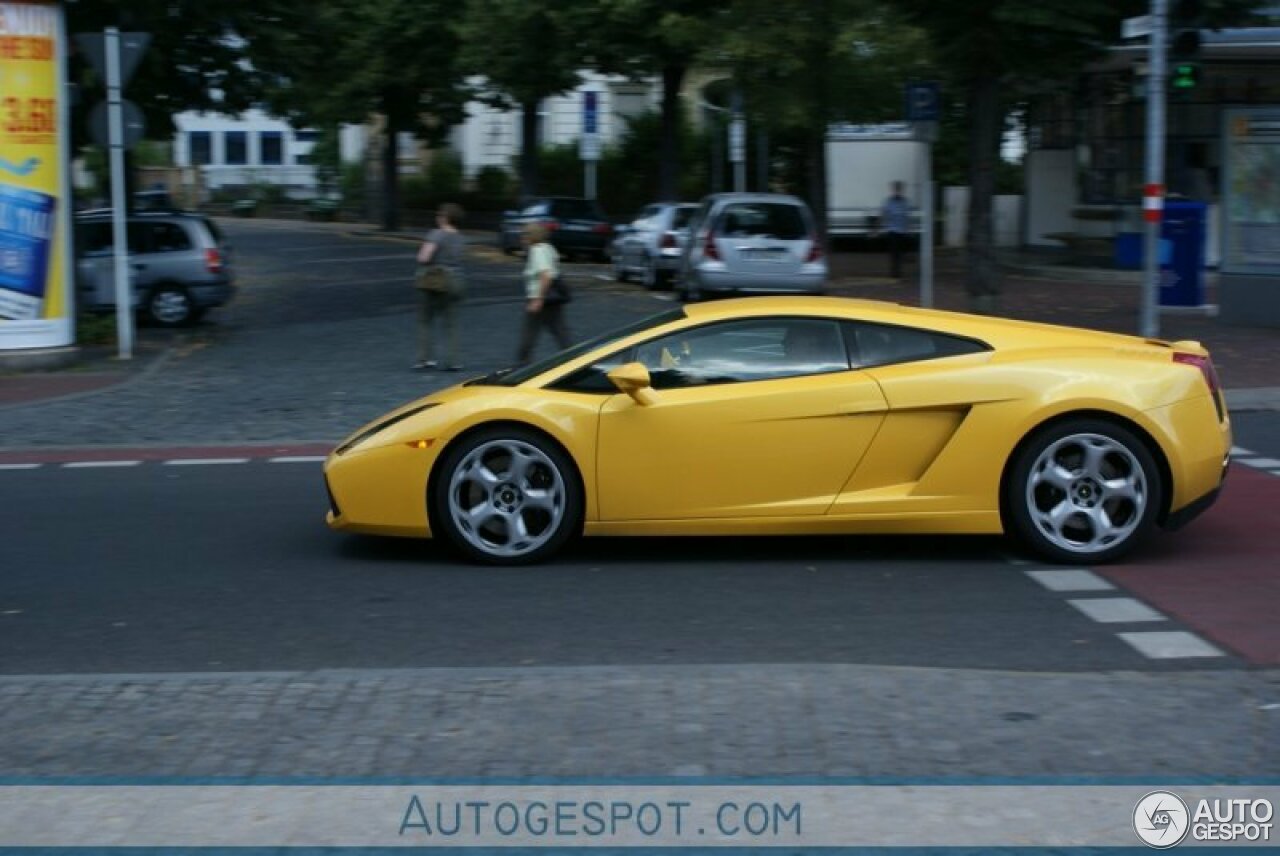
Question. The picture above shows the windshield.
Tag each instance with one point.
(516, 376)
(683, 215)
(575, 209)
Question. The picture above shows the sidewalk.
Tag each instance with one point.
(1245, 357)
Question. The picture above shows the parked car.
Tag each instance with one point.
(577, 226)
(752, 242)
(178, 263)
(650, 246)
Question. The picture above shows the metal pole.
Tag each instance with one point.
(738, 143)
(926, 231)
(119, 221)
(1153, 196)
(590, 167)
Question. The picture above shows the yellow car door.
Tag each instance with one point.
(752, 418)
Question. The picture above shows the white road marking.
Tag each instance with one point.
(1170, 644)
(1116, 610)
(299, 459)
(1236, 451)
(1070, 580)
(20, 466)
(199, 462)
(1262, 463)
(84, 465)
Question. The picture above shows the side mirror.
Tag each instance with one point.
(633, 379)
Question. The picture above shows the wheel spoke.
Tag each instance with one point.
(543, 500)
(1054, 475)
(1095, 455)
(1127, 488)
(521, 463)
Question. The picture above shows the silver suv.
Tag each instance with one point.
(752, 242)
(178, 264)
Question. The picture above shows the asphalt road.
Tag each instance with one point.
(230, 567)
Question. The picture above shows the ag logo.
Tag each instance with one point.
(1161, 819)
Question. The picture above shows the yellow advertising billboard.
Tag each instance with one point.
(35, 297)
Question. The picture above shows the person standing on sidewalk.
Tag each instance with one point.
(895, 222)
(441, 282)
(541, 269)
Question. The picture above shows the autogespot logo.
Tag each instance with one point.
(1161, 819)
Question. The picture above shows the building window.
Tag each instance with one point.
(236, 145)
(200, 144)
(272, 147)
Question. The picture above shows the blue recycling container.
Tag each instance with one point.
(1182, 231)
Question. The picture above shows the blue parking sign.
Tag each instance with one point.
(923, 102)
(589, 112)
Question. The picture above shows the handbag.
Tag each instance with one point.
(558, 292)
(432, 278)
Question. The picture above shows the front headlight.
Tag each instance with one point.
(377, 427)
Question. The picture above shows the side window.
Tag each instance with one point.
(166, 238)
(883, 344)
(93, 238)
(743, 351)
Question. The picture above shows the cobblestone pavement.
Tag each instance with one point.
(747, 720)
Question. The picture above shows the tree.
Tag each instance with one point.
(192, 63)
(345, 60)
(525, 52)
(804, 67)
(639, 38)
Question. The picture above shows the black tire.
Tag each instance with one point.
(547, 532)
(171, 306)
(619, 270)
(651, 278)
(1099, 502)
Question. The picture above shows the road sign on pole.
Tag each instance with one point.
(924, 107)
(589, 142)
(132, 47)
(1153, 198)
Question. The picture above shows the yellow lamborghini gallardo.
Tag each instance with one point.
(788, 415)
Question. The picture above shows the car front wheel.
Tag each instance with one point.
(507, 496)
(1083, 491)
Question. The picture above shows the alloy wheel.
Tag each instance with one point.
(507, 498)
(1086, 493)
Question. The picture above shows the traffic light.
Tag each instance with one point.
(1184, 44)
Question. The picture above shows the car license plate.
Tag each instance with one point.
(765, 255)
(575, 227)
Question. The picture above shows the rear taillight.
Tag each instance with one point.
(1207, 371)
(602, 228)
(551, 225)
(213, 260)
(709, 248)
(668, 241)
(815, 251)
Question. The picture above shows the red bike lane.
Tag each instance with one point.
(1220, 575)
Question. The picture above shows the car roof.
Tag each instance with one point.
(999, 332)
(757, 197)
(105, 214)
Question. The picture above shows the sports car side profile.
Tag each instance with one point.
(803, 415)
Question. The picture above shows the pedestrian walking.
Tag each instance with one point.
(544, 290)
(441, 282)
(895, 223)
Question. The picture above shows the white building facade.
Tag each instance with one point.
(491, 137)
(253, 148)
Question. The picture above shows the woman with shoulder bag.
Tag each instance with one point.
(441, 282)
(544, 290)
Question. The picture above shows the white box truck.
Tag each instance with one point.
(862, 162)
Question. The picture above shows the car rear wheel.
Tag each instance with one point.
(507, 496)
(1083, 491)
(619, 269)
(171, 306)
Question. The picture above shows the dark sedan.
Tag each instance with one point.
(576, 226)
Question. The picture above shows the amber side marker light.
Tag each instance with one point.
(420, 444)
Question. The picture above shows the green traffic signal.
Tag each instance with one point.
(1186, 75)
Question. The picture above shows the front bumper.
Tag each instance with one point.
(380, 490)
